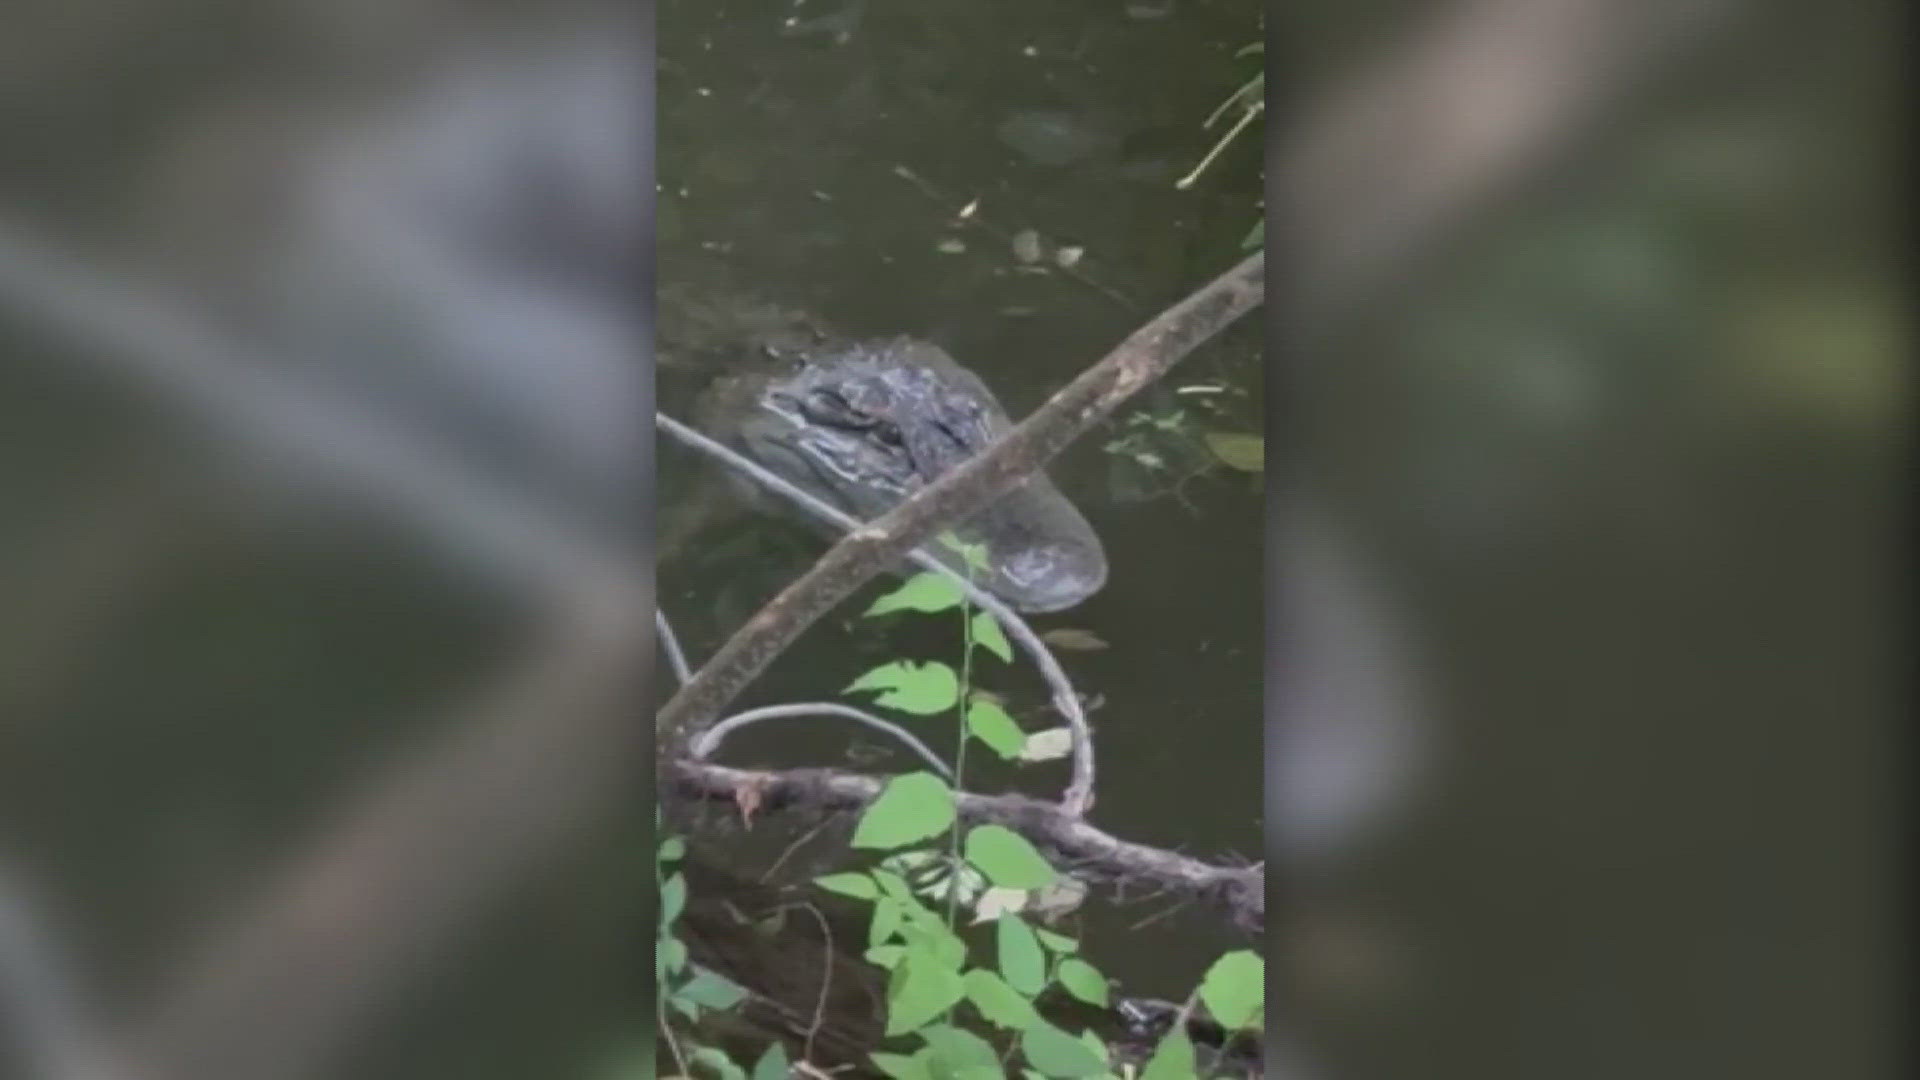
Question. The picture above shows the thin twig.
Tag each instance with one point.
(709, 741)
(826, 984)
(670, 644)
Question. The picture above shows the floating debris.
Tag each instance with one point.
(1050, 137)
(1026, 246)
(1149, 10)
(968, 210)
(1068, 257)
(1069, 638)
(952, 245)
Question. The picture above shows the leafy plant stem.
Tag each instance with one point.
(660, 994)
(960, 748)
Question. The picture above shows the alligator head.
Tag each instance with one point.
(864, 426)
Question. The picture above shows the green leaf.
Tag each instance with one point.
(673, 955)
(1021, 962)
(999, 1003)
(1235, 988)
(773, 1064)
(895, 886)
(923, 689)
(673, 899)
(1083, 981)
(1007, 859)
(921, 988)
(1056, 942)
(886, 922)
(901, 1067)
(1247, 453)
(932, 935)
(990, 724)
(721, 1065)
(858, 886)
(886, 956)
(926, 591)
(711, 990)
(1059, 1054)
(959, 1050)
(672, 849)
(989, 636)
(1172, 1059)
(910, 808)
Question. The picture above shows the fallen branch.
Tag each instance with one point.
(1141, 358)
(1067, 840)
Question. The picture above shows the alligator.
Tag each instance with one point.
(863, 424)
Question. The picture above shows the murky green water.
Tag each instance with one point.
(826, 166)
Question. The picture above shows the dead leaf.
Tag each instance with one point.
(1061, 898)
(747, 797)
(997, 901)
(1048, 745)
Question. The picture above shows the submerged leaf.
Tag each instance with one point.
(1073, 640)
(1247, 453)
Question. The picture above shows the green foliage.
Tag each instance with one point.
(990, 724)
(1172, 1059)
(941, 1006)
(924, 592)
(1007, 858)
(1235, 988)
(1083, 981)
(687, 989)
(1057, 1054)
(923, 689)
(910, 808)
(988, 635)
